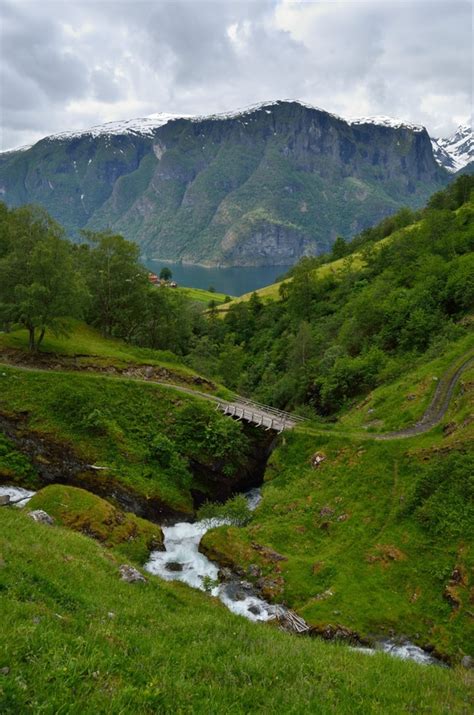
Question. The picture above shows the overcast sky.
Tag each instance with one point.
(71, 64)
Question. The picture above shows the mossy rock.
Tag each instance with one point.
(82, 511)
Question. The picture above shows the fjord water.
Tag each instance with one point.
(233, 281)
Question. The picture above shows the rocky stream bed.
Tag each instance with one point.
(181, 560)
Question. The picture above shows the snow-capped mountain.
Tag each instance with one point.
(384, 121)
(147, 126)
(456, 151)
(452, 153)
(262, 185)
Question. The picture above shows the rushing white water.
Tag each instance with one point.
(408, 651)
(182, 561)
(403, 650)
(17, 495)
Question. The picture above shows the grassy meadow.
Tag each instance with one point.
(77, 639)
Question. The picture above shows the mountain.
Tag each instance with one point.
(456, 152)
(261, 186)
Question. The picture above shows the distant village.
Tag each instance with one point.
(164, 279)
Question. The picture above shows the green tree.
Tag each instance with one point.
(339, 248)
(302, 348)
(40, 289)
(117, 282)
(166, 274)
(231, 362)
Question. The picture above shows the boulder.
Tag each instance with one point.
(267, 553)
(317, 459)
(254, 571)
(130, 574)
(4, 499)
(41, 517)
(467, 662)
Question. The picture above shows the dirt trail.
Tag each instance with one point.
(432, 416)
(437, 408)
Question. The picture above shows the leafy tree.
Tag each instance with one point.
(117, 283)
(40, 289)
(339, 248)
(303, 346)
(166, 274)
(231, 362)
(255, 304)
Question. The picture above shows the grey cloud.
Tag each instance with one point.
(106, 86)
(83, 62)
(32, 45)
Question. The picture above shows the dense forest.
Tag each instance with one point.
(328, 339)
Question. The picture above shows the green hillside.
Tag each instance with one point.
(367, 513)
(77, 637)
(371, 537)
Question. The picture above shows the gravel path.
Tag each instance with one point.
(438, 407)
(433, 415)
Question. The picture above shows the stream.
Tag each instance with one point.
(182, 561)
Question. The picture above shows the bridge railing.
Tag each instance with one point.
(260, 407)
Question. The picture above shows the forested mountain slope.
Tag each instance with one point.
(261, 187)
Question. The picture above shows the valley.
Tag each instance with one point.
(338, 509)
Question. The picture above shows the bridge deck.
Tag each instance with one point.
(259, 415)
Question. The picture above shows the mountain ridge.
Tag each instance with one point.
(260, 186)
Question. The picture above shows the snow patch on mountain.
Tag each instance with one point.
(384, 121)
(456, 151)
(143, 126)
(146, 126)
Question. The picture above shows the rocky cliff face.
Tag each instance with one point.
(261, 187)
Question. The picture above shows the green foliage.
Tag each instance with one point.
(40, 288)
(443, 500)
(202, 434)
(235, 511)
(78, 638)
(340, 329)
(165, 453)
(117, 283)
(15, 467)
(166, 273)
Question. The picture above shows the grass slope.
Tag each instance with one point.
(355, 261)
(77, 639)
(84, 342)
(86, 513)
(145, 434)
(373, 536)
(201, 296)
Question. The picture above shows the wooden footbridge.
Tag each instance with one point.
(259, 415)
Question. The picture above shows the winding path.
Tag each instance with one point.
(438, 406)
(277, 420)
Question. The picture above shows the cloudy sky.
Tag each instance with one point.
(70, 64)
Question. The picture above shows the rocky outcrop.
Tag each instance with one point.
(131, 574)
(41, 517)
